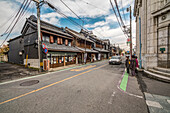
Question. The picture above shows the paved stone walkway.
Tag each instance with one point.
(157, 103)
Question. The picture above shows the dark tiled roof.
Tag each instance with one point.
(15, 38)
(87, 50)
(56, 47)
(100, 50)
(50, 27)
(78, 35)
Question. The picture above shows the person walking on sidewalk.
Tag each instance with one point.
(127, 64)
(137, 66)
(133, 65)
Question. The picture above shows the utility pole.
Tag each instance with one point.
(130, 32)
(39, 32)
(85, 48)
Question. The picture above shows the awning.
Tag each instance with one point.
(55, 47)
(61, 54)
(87, 50)
(101, 50)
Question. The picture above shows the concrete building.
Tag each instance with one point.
(155, 32)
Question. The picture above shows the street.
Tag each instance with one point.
(92, 88)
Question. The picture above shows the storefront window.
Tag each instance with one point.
(66, 59)
(55, 60)
(60, 59)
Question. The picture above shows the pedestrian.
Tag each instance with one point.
(137, 65)
(127, 64)
(133, 65)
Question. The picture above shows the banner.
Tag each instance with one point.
(85, 57)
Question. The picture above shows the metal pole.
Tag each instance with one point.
(130, 33)
(85, 50)
(140, 61)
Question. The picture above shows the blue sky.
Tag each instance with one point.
(97, 15)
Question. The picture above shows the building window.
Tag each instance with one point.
(66, 42)
(46, 38)
(166, 1)
(69, 43)
(55, 40)
(63, 41)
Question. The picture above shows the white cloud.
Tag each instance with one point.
(97, 24)
(81, 8)
(95, 8)
(8, 10)
(52, 20)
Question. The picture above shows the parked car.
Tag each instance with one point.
(115, 60)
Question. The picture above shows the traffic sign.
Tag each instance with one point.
(45, 50)
(43, 45)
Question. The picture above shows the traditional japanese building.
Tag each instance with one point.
(99, 45)
(59, 44)
(84, 45)
(16, 50)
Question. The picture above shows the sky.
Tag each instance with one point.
(97, 15)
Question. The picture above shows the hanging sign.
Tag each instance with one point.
(128, 40)
(43, 45)
(45, 50)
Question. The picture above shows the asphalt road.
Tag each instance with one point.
(93, 88)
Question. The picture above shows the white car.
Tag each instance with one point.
(115, 60)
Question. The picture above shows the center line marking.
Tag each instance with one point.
(49, 85)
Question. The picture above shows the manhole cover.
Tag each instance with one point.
(29, 83)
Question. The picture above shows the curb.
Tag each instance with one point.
(157, 77)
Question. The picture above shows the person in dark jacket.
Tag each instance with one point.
(137, 65)
(127, 64)
(133, 65)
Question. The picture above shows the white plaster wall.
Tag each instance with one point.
(33, 62)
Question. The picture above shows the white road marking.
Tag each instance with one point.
(153, 104)
(168, 101)
(111, 98)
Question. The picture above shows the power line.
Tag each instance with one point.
(84, 21)
(117, 18)
(123, 11)
(19, 14)
(71, 10)
(65, 16)
(119, 12)
(6, 31)
(7, 20)
(62, 14)
(93, 5)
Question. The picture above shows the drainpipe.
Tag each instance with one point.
(140, 61)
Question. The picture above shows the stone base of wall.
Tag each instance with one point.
(32, 62)
(164, 64)
(150, 61)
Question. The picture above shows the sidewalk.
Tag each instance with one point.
(157, 103)
(156, 93)
(10, 72)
